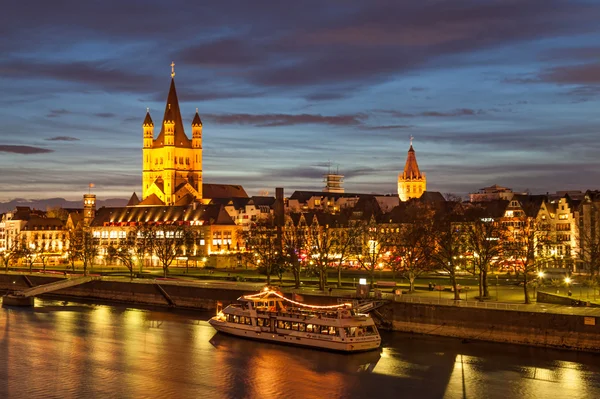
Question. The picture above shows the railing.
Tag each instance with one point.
(537, 308)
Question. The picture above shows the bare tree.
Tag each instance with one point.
(411, 243)
(73, 253)
(169, 241)
(42, 255)
(27, 252)
(294, 244)
(449, 241)
(484, 237)
(9, 254)
(371, 246)
(323, 241)
(264, 247)
(525, 239)
(88, 248)
(589, 250)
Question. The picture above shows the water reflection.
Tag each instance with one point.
(69, 350)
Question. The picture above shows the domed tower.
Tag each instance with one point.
(411, 182)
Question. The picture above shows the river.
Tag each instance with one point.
(75, 350)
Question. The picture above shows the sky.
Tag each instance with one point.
(494, 92)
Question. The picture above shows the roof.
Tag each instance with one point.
(411, 168)
(151, 200)
(196, 121)
(148, 120)
(134, 200)
(209, 214)
(223, 191)
(172, 112)
(41, 223)
(303, 196)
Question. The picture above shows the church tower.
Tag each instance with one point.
(172, 163)
(411, 182)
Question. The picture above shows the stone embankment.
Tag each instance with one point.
(567, 331)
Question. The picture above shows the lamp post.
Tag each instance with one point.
(568, 281)
(496, 287)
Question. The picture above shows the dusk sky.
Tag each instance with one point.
(504, 92)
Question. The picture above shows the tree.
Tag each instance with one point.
(294, 244)
(484, 236)
(411, 243)
(58, 213)
(9, 254)
(323, 244)
(88, 248)
(42, 255)
(264, 247)
(370, 245)
(448, 241)
(169, 240)
(526, 238)
(73, 253)
(143, 243)
(27, 252)
(589, 250)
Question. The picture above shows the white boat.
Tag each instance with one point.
(269, 316)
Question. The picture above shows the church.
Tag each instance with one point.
(172, 162)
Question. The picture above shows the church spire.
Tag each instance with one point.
(411, 182)
(173, 114)
(148, 119)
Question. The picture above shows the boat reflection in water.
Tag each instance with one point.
(300, 357)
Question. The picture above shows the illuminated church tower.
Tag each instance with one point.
(411, 182)
(172, 163)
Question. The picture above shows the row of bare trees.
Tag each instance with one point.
(449, 237)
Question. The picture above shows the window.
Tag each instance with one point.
(563, 216)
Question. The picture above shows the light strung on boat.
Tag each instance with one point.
(265, 293)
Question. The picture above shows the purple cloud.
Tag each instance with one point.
(24, 149)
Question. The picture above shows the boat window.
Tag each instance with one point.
(295, 326)
(350, 331)
(301, 327)
(248, 320)
(370, 330)
(236, 319)
(324, 330)
(259, 321)
(309, 327)
(287, 325)
(332, 330)
(279, 323)
(229, 318)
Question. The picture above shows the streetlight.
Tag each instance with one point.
(568, 281)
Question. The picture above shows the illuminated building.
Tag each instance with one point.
(172, 163)
(411, 182)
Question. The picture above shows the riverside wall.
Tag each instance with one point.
(564, 331)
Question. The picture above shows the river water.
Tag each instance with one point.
(71, 350)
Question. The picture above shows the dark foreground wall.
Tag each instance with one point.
(539, 329)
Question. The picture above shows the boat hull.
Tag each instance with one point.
(304, 341)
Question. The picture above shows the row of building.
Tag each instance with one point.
(173, 192)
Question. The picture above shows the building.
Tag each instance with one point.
(492, 193)
(172, 163)
(412, 183)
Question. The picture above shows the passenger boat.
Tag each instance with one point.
(270, 316)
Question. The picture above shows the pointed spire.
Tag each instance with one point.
(196, 121)
(148, 119)
(172, 113)
(411, 168)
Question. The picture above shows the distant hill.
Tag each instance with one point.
(44, 204)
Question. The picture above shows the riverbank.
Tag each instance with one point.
(538, 328)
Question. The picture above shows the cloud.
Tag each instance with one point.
(436, 114)
(418, 88)
(54, 113)
(106, 75)
(104, 114)
(62, 138)
(573, 74)
(24, 149)
(272, 120)
(387, 127)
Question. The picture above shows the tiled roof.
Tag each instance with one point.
(223, 191)
(196, 121)
(40, 223)
(151, 200)
(134, 200)
(209, 214)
